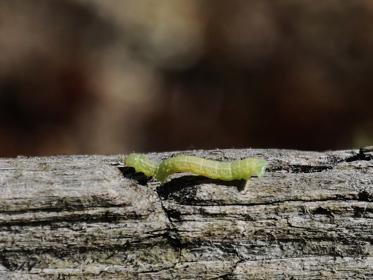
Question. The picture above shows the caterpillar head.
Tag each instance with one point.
(141, 163)
(133, 159)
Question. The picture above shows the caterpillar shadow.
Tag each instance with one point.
(186, 186)
(130, 173)
(180, 188)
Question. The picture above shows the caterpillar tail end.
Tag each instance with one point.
(258, 171)
(260, 167)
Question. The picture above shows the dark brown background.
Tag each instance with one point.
(114, 76)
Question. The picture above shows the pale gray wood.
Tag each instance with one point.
(87, 217)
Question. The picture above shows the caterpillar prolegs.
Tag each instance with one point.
(227, 171)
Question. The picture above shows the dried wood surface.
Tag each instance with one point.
(88, 217)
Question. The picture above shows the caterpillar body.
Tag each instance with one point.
(227, 171)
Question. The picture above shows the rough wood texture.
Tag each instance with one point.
(79, 217)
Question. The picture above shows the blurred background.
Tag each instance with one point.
(116, 76)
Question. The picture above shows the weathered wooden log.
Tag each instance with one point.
(89, 217)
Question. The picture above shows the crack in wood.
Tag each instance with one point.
(362, 155)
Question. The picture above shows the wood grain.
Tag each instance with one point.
(87, 217)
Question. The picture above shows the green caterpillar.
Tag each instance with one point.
(227, 171)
